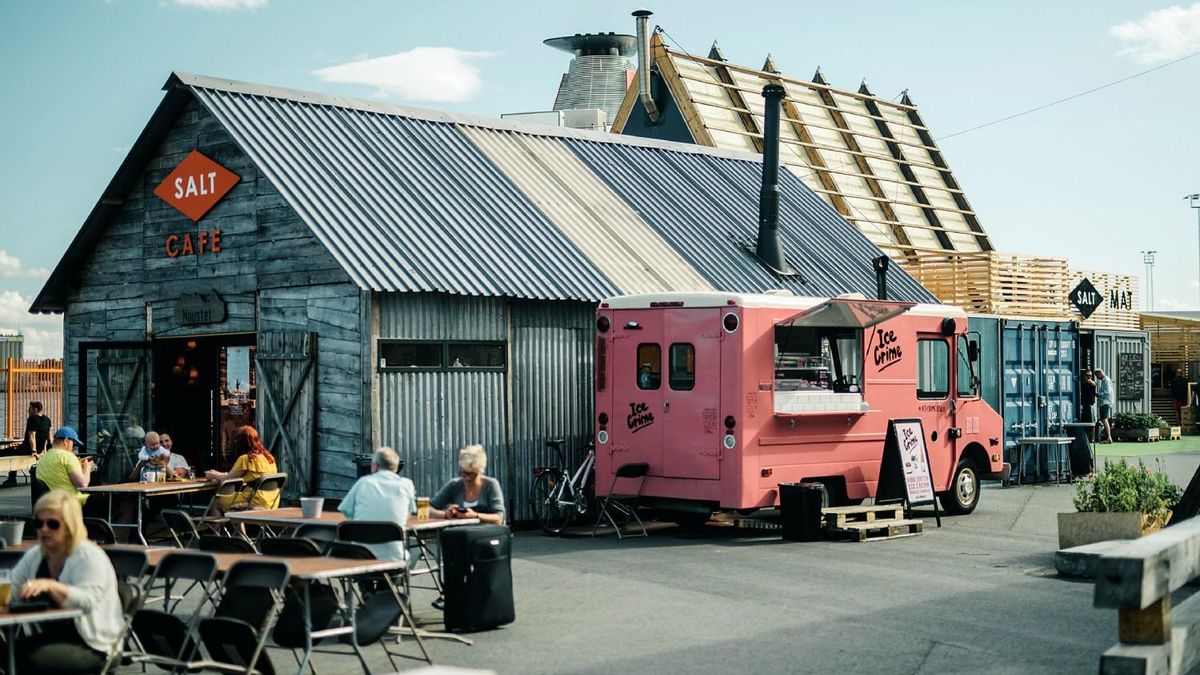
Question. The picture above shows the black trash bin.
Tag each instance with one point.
(800, 510)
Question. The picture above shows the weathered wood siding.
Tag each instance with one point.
(272, 273)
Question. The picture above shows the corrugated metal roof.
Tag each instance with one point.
(600, 223)
(412, 200)
(405, 204)
(707, 209)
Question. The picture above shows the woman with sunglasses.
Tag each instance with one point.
(472, 494)
(66, 570)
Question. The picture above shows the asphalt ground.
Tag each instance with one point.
(978, 595)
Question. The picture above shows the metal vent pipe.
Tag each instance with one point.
(643, 40)
(769, 248)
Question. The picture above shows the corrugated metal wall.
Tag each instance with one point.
(552, 387)
(1106, 346)
(428, 416)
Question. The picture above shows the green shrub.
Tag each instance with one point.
(1121, 487)
(1127, 420)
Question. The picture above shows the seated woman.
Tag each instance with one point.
(66, 570)
(472, 494)
(253, 462)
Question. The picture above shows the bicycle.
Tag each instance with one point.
(557, 499)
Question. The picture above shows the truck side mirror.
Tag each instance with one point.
(972, 351)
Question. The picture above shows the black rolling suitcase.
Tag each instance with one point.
(477, 577)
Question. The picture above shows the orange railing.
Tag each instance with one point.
(29, 380)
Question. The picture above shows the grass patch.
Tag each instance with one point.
(1122, 449)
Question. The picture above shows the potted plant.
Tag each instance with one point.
(1128, 426)
(1122, 501)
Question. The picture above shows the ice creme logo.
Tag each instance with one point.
(887, 350)
(640, 417)
(196, 185)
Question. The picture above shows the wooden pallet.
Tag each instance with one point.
(841, 516)
(878, 530)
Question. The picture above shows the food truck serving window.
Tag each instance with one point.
(811, 357)
(649, 361)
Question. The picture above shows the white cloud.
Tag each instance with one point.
(11, 266)
(442, 74)
(43, 332)
(222, 5)
(1161, 35)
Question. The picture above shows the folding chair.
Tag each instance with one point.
(99, 531)
(9, 558)
(227, 488)
(289, 546)
(164, 637)
(265, 483)
(217, 544)
(236, 634)
(181, 527)
(623, 505)
(320, 533)
(130, 566)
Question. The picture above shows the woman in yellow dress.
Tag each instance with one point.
(253, 462)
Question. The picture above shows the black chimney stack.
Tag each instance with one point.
(881, 268)
(769, 249)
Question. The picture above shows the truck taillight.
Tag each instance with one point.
(603, 323)
(730, 423)
(602, 435)
(730, 322)
(730, 441)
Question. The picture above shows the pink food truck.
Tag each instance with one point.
(727, 395)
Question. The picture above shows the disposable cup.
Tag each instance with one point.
(12, 531)
(422, 508)
(310, 507)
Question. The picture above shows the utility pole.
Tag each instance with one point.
(1194, 202)
(1148, 259)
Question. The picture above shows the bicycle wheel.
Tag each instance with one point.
(548, 491)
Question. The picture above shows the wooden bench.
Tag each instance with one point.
(1137, 581)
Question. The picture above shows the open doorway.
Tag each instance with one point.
(204, 390)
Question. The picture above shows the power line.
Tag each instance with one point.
(1070, 98)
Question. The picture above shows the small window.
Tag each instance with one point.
(933, 369)
(475, 355)
(410, 355)
(966, 379)
(649, 375)
(682, 367)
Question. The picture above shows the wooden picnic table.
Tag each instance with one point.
(293, 518)
(140, 491)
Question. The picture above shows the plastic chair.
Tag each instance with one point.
(99, 531)
(624, 506)
(217, 544)
(129, 564)
(166, 638)
(289, 546)
(236, 634)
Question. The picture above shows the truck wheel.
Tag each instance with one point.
(963, 495)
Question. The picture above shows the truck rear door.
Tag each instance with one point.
(637, 384)
(691, 393)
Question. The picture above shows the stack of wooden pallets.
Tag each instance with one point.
(869, 523)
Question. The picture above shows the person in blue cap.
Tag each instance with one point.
(60, 469)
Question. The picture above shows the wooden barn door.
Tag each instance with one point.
(286, 365)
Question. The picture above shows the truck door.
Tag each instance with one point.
(936, 405)
(638, 365)
(691, 394)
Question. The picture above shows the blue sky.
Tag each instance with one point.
(1096, 180)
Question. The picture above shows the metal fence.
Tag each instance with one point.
(29, 380)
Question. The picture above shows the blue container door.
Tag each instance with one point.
(1039, 391)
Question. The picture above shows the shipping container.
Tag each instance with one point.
(1125, 357)
(1029, 373)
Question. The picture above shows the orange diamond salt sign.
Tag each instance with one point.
(196, 185)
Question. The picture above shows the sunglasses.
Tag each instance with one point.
(38, 524)
(469, 474)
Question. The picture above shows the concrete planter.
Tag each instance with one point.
(1170, 433)
(1078, 529)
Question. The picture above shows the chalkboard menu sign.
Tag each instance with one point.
(1131, 374)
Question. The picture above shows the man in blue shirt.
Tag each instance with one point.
(1104, 398)
(382, 495)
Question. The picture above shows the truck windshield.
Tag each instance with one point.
(814, 357)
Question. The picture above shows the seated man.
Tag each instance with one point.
(382, 495)
(60, 469)
(156, 455)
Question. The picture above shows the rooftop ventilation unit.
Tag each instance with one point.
(599, 74)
